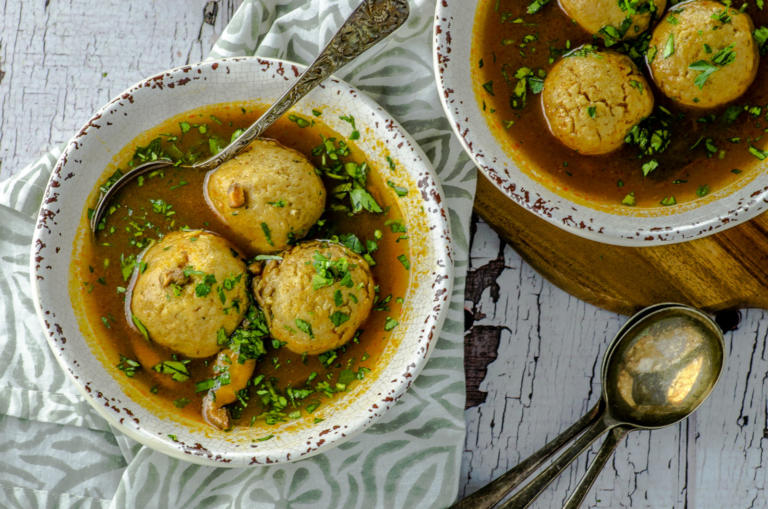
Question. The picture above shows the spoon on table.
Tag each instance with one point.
(368, 24)
(659, 368)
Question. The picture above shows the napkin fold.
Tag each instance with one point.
(55, 451)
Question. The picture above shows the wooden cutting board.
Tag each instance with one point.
(727, 270)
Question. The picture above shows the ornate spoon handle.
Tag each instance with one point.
(371, 22)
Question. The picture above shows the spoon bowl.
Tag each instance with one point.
(662, 367)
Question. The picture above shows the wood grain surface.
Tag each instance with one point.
(723, 271)
(532, 350)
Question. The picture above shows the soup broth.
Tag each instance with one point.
(708, 149)
(286, 386)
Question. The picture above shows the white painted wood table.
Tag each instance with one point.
(532, 351)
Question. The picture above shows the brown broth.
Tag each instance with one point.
(607, 179)
(103, 288)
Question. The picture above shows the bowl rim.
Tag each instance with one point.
(438, 236)
(452, 77)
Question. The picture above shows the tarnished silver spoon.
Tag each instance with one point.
(368, 24)
(660, 367)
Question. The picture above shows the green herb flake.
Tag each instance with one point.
(669, 46)
(536, 6)
(629, 200)
(128, 366)
(668, 200)
(181, 402)
(703, 190)
(760, 154)
(176, 369)
(140, 326)
(649, 167)
(390, 323)
(338, 318)
(355, 134)
(399, 190)
(299, 121)
(305, 327)
(404, 260)
(761, 38)
(267, 233)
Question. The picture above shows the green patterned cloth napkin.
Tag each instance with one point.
(55, 451)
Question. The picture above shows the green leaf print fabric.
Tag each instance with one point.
(55, 451)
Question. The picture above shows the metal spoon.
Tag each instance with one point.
(660, 367)
(371, 22)
(493, 492)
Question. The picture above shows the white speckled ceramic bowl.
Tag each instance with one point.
(147, 104)
(738, 202)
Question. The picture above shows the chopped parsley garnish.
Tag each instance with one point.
(162, 207)
(338, 318)
(649, 166)
(390, 323)
(349, 194)
(527, 80)
(536, 6)
(305, 327)
(722, 16)
(128, 366)
(668, 200)
(355, 134)
(176, 369)
(267, 233)
(248, 339)
(760, 154)
(652, 135)
(301, 122)
(204, 287)
(669, 46)
(399, 190)
(404, 260)
(329, 271)
(395, 226)
(761, 38)
(140, 326)
(181, 402)
(722, 58)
